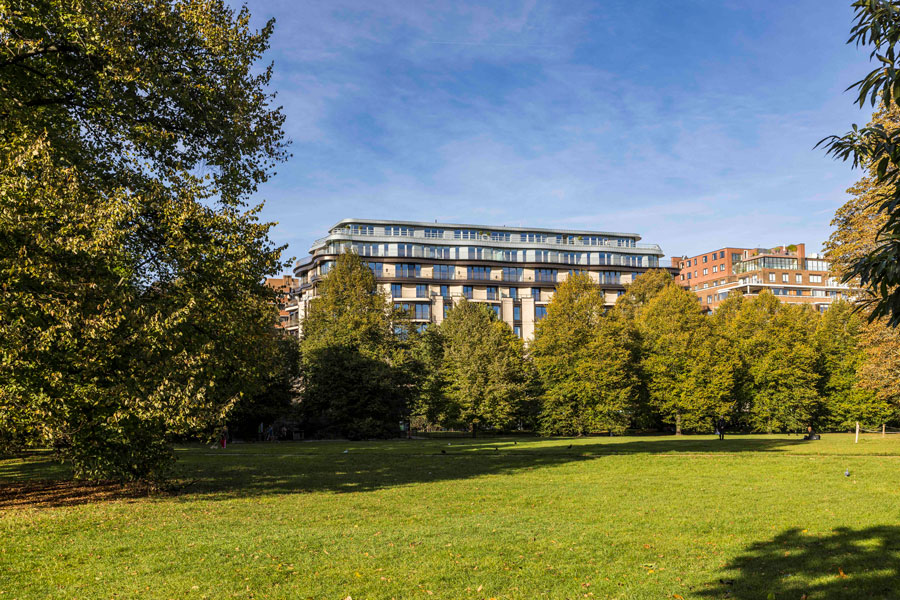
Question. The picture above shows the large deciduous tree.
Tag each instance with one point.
(487, 380)
(132, 133)
(586, 361)
(689, 368)
(358, 375)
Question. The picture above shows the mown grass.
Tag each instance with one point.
(649, 517)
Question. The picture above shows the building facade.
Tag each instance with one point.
(786, 271)
(426, 268)
(284, 286)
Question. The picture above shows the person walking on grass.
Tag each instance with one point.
(224, 440)
(720, 428)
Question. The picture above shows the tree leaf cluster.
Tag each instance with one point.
(876, 147)
(132, 301)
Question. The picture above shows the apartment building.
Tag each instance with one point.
(284, 287)
(786, 271)
(426, 268)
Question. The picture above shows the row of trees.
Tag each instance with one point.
(653, 360)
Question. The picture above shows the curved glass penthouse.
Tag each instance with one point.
(426, 267)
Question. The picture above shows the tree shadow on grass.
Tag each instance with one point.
(367, 467)
(291, 468)
(847, 563)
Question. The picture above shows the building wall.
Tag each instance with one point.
(457, 261)
(788, 272)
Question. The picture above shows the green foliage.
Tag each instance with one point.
(486, 379)
(877, 147)
(639, 292)
(131, 134)
(586, 362)
(277, 394)
(359, 376)
(689, 368)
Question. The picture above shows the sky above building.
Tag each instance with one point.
(690, 122)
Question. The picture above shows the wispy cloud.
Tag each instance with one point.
(688, 122)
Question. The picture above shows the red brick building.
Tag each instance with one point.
(786, 271)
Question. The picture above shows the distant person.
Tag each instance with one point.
(224, 441)
(283, 433)
(259, 434)
(270, 433)
(720, 428)
(811, 435)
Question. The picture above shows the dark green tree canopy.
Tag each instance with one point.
(131, 135)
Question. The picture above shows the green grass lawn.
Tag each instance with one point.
(649, 517)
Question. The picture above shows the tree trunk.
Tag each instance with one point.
(678, 423)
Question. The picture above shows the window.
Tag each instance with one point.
(610, 277)
(447, 307)
(496, 309)
(491, 293)
(816, 265)
(709, 299)
(512, 274)
(540, 312)
(706, 271)
(722, 254)
(548, 275)
(499, 236)
(689, 275)
(362, 230)
(785, 278)
(397, 230)
(536, 294)
(423, 311)
(443, 271)
(467, 291)
(440, 252)
(445, 291)
(798, 278)
(421, 291)
(517, 313)
(517, 330)
(715, 268)
(434, 233)
(534, 238)
(735, 257)
(376, 268)
(704, 259)
(695, 272)
(396, 290)
(465, 234)
(479, 273)
(772, 277)
(815, 279)
(513, 293)
(408, 270)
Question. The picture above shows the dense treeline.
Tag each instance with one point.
(652, 361)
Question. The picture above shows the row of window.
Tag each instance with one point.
(411, 270)
(496, 236)
(468, 291)
(718, 255)
(421, 312)
(495, 254)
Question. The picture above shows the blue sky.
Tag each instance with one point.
(690, 122)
